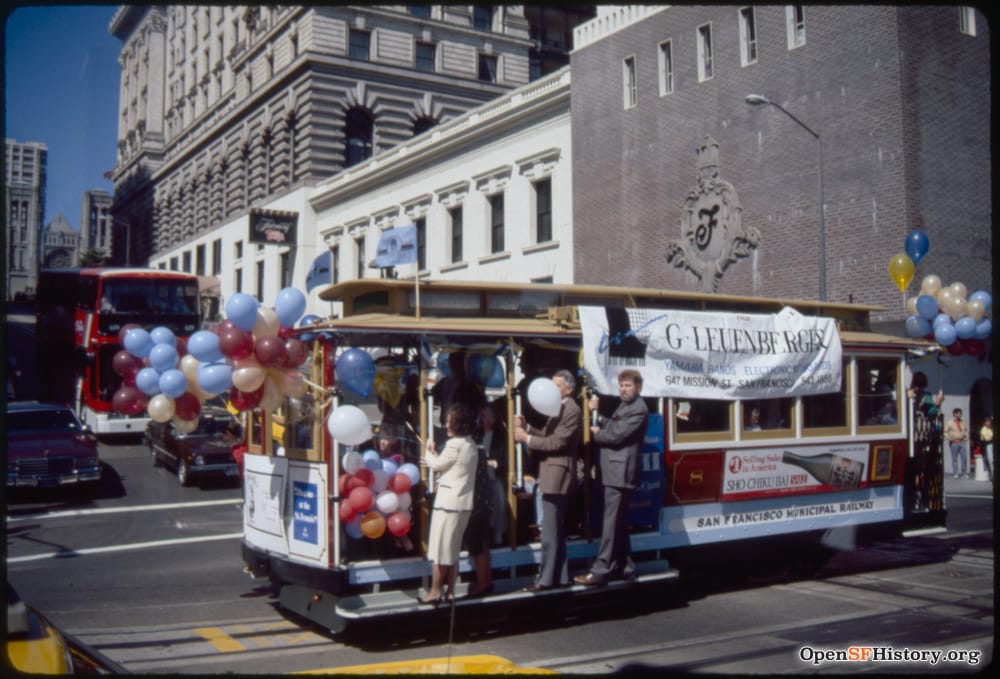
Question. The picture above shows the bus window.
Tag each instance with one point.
(825, 414)
(703, 420)
(768, 417)
(878, 392)
(298, 431)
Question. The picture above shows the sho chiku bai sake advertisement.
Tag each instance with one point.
(766, 472)
(712, 355)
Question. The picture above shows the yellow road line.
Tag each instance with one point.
(219, 639)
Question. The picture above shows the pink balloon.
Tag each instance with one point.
(400, 483)
(270, 351)
(362, 499)
(366, 476)
(347, 511)
(398, 523)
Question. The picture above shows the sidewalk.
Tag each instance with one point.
(967, 487)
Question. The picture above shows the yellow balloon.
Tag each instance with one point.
(901, 270)
(373, 525)
(977, 309)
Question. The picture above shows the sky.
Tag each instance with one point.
(61, 79)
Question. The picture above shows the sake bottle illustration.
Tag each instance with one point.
(832, 470)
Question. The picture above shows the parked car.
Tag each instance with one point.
(208, 450)
(36, 646)
(48, 446)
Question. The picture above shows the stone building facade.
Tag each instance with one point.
(25, 171)
(96, 224)
(223, 109)
(898, 96)
(60, 245)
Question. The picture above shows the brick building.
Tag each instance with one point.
(898, 96)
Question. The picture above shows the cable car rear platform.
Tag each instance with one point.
(505, 590)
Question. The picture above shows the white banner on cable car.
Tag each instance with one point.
(712, 355)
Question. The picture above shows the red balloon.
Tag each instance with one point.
(362, 499)
(270, 351)
(284, 333)
(347, 511)
(244, 400)
(222, 327)
(124, 331)
(342, 484)
(366, 476)
(975, 347)
(129, 401)
(398, 523)
(400, 483)
(187, 406)
(125, 364)
(355, 482)
(957, 348)
(182, 347)
(236, 344)
(297, 353)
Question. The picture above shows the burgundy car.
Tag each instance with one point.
(48, 446)
(208, 450)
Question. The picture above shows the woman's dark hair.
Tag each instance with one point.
(919, 381)
(462, 419)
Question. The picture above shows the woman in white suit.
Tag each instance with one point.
(456, 466)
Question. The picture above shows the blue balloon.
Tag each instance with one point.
(309, 319)
(917, 326)
(965, 327)
(984, 329)
(204, 346)
(982, 296)
(371, 460)
(356, 371)
(496, 378)
(353, 527)
(411, 471)
(173, 383)
(162, 335)
(138, 342)
(945, 334)
(241, 309)
(927, 307)
(917, 245)
(147, 381)
(163, 357)
(941, 318)
(389, 467)
(442, 364)
(289, 305)
(215, 378)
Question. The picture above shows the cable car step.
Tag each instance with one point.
(377, 604)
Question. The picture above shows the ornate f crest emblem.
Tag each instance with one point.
(712, 235)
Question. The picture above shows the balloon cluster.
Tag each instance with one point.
(250, 357)
(945, 315)
(375, 494)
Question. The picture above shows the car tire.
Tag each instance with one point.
(183, 473)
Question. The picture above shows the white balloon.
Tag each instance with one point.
(267, 322)
(185, 426)
(161, 408)
(349, 425)
(387, 502)
(404, 501)
(544, 396)
(352, 462)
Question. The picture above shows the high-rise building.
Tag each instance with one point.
(25, 212)
(95, 224)
(226, 108)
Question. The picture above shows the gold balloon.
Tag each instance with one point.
(976, 310)
(959, 289)
(161, 408)
(373, 525)
(185, 426)
(901, 270)
(911, 306)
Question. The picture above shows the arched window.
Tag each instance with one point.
(359, 126)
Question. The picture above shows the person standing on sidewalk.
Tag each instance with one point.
(986, 440)
(958, 440)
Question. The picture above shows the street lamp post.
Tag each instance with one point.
(758, 100)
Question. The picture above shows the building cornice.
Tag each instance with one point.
(610, 20)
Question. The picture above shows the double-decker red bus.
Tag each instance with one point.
(781, 423)
(80, 314)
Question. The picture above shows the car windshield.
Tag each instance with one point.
(212, 424)
(33, 420)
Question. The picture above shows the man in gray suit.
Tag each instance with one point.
(556, 444)
(619, 440)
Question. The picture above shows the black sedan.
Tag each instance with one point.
(208, 450)
(47, 446)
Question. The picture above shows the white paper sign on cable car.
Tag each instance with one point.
(712, 355)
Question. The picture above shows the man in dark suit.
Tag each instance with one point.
(556, 444)
(619, 440)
